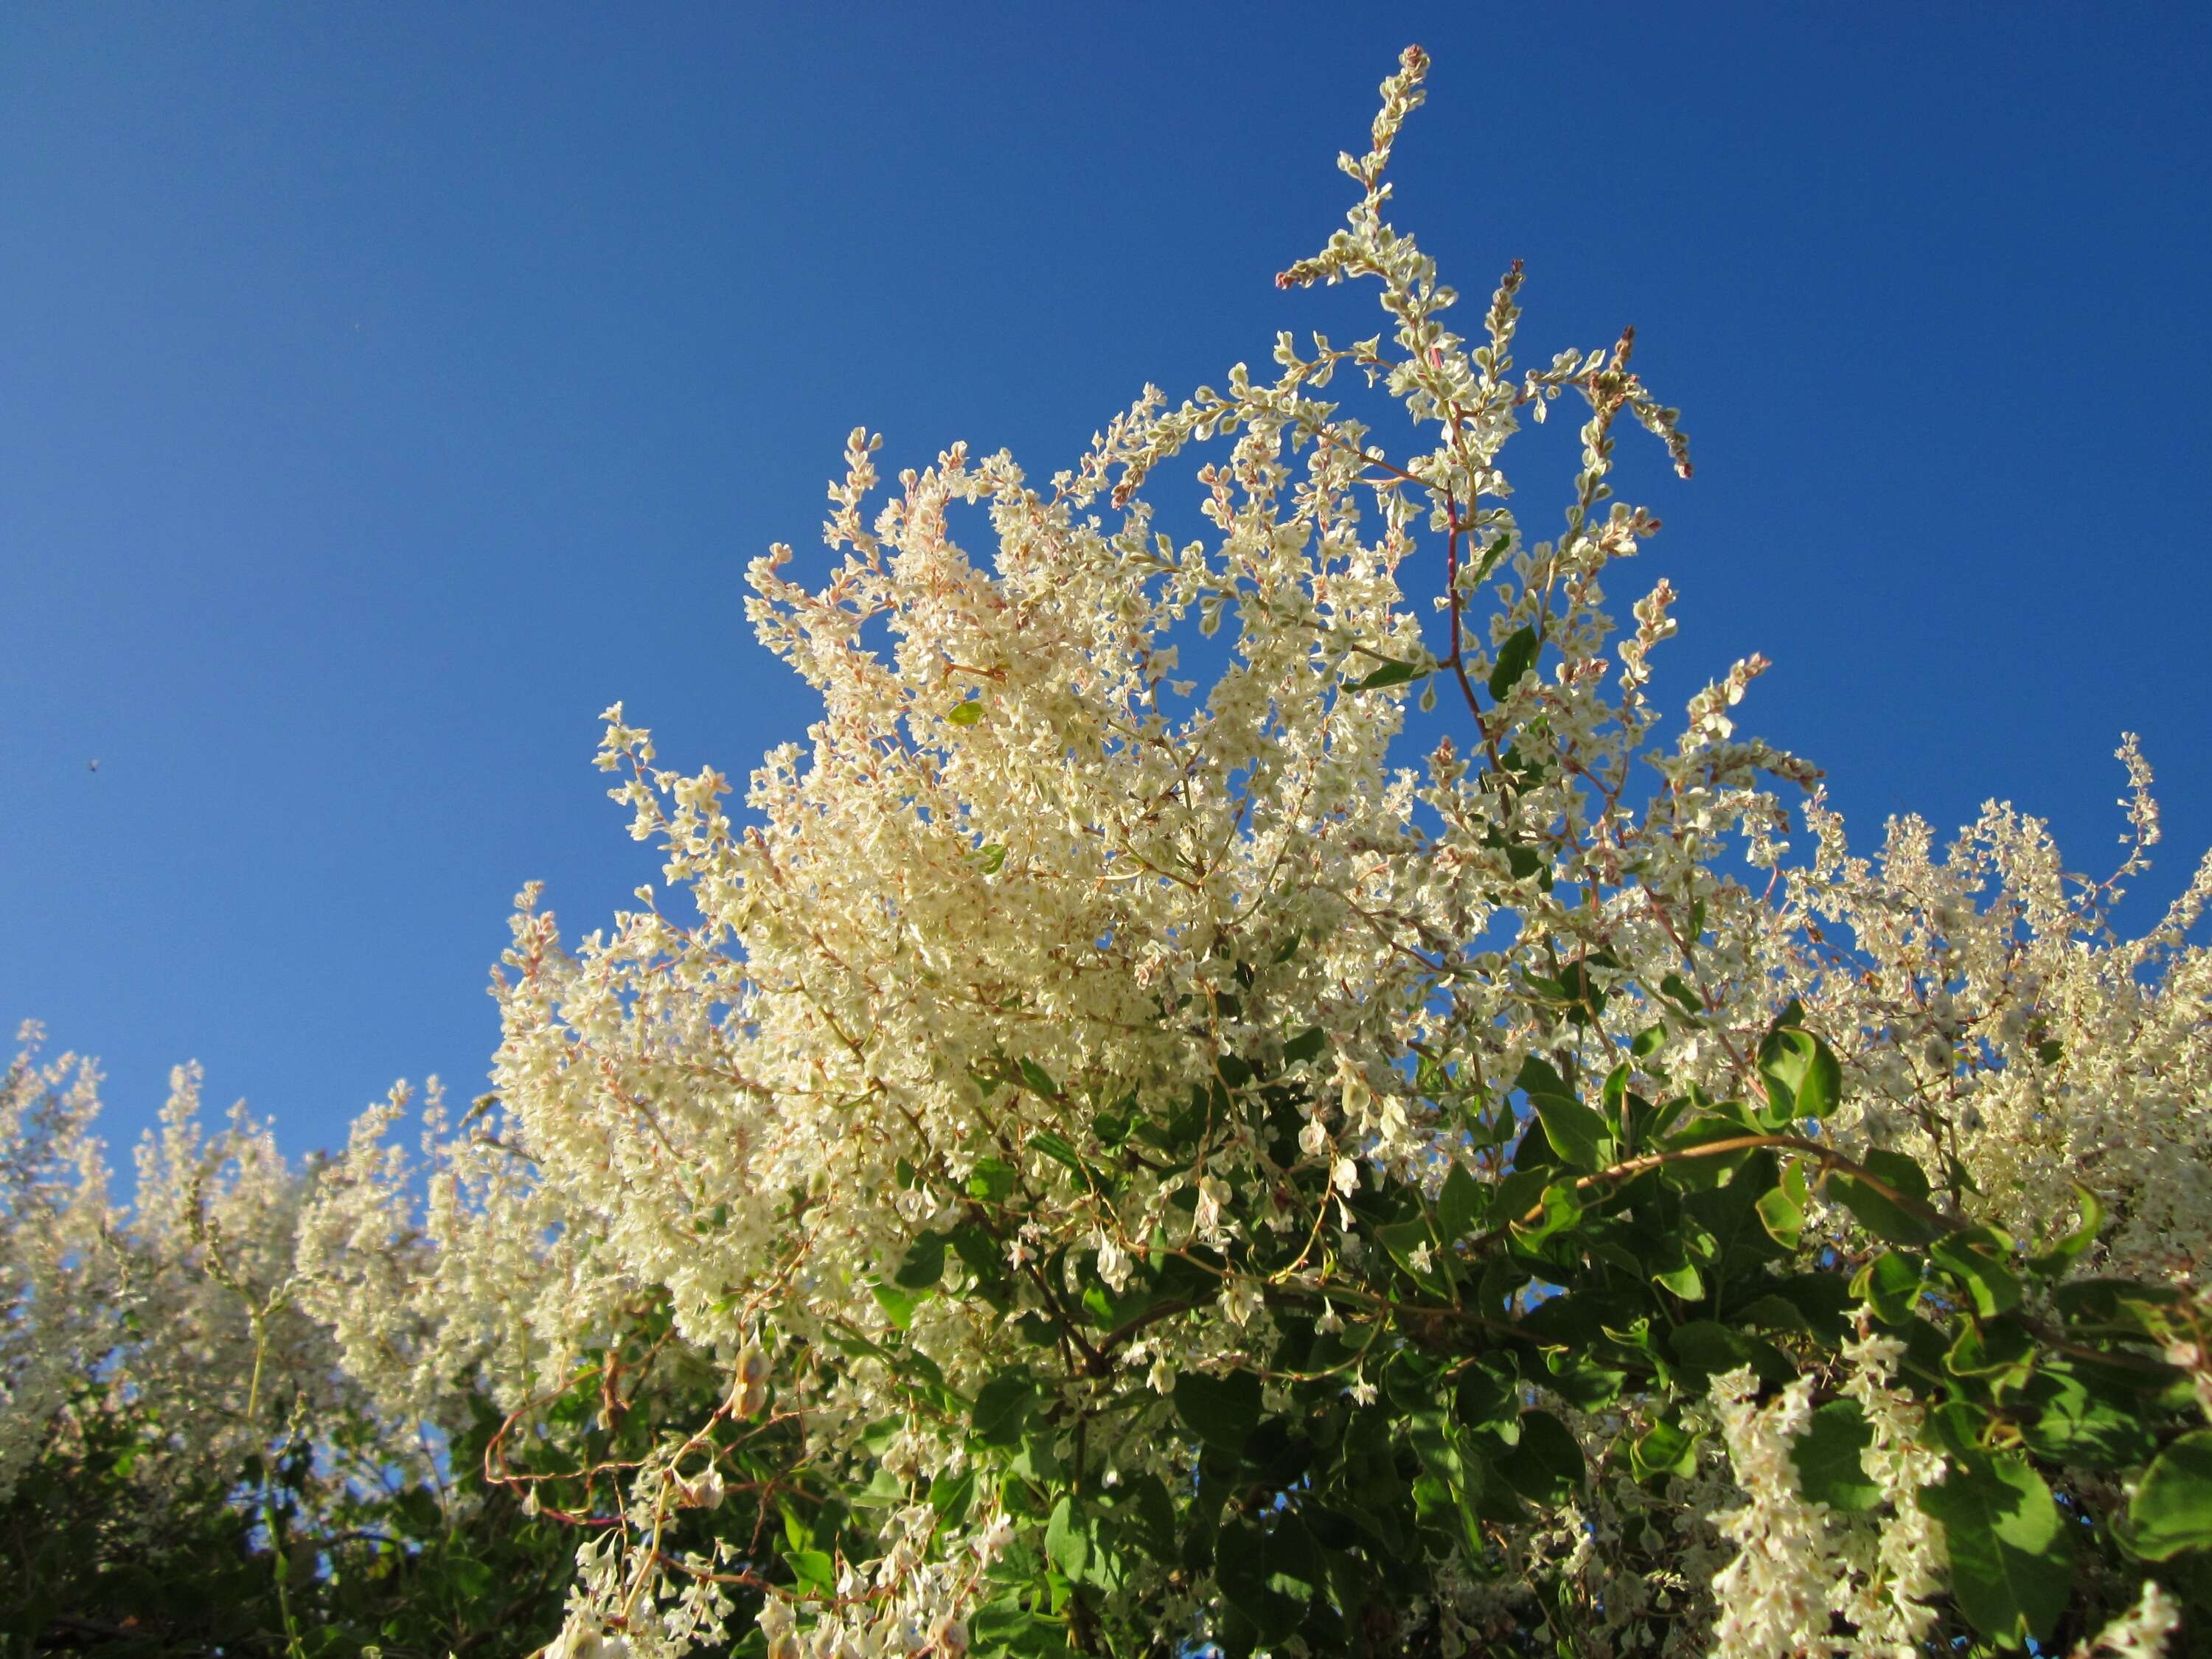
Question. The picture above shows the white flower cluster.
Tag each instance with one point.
(1989, 1012)
(182, 1312)
(1776, 1596)
(1092, 817)
(1800, 1568)
(2141, 1632)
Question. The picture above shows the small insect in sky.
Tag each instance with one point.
(92, 766)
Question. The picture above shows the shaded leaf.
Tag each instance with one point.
(1515, 657)
(1067, 1540)
(924, 1265)
(1221, 1411)
(1890, 1283)
(1826, 1454)
(1253, 1570)
(1972, 1259)
(1460, 1205)
(1002, 1407)
(1803, 1078)
(2173, 1509)
(1409, 1244)
(1546, 1467)
(1389, 674)
(1879, 1211)
(1576, 1133)
(2012, 1564)
(2055, 1259)
(1059, 1150)
(2079, 1421)
(1663, 1449)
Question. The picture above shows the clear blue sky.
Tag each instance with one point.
(384, 390)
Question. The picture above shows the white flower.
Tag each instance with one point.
(2141, 1632)
(1240, 1300)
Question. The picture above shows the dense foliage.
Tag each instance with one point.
(1094, 1164)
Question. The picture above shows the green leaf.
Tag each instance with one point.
(2173, 1508)
(1897, 1170)
(979, 1253)
(1546, 1467)
(1582, 1383)
(1706, 1348)
(949, 1494)
(965, 714)
(1663, 1449)
(1998, 1351)
(1142, 1506)
(1039, 1459)
(1974, 1260)
(1684, 998)
(1403, 1240)
(898, 1305)
(1484, 1399)
(1537, 1077)
(1524, 862)
(1803, 1078)
(1823, 1300)
(2079, 1424)
(1827, 1458)
(1391, 673)
(1038, 1079)
(1877, 1211)
(1002, 1407)
(991, 1180)
(1890, 1283)
(1515, 657)
(2012, 1563)
(2055, 1259)
(1681, 1277)
(1782, 1215)
(1067, 1540)
(1460, 1205)
(1248, 1567)
(1561, 1211)
(1221, 1411)
(2112, 1301)
(991, 857)
(924, 1265)
(815, 1569)
(1576, 1133)
(1491, 556)
(1584, 999)
(1305, 1046)
(1059, 1151)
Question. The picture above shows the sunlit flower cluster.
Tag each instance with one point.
(1092, 815)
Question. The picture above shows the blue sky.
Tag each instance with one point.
(386, 390)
